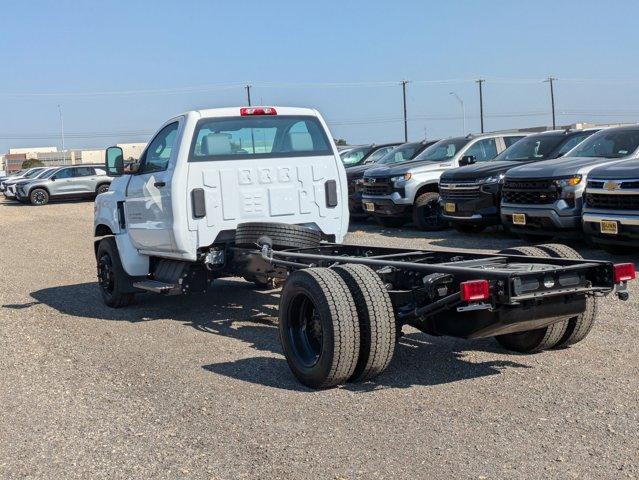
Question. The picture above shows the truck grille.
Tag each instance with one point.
(459, 191)
(612, 202)
(377, 186)
(529, 192)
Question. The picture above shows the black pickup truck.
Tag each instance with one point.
(470, 196)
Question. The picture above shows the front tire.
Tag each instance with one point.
(318, 327)
(39, 196)
(532, 341)
(112, 279)
(102, 188)
(427, 213)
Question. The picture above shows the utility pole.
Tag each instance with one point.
(550, 80)
(404, 82)
(248, 94)
(64, 155)
(461, 102)
(481, 103)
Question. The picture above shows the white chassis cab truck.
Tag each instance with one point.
(260, 193)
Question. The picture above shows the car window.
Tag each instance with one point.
(377, 154)
(443, 150)
(534, 147)
(258, 137)
(572, 142)
(84, 172)
(508, 141)
(608, 144)
(353, 157)
(483, 150)
(65, 173)
(399, 154)
(157, 155)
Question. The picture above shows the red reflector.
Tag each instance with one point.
(624, 272)
(475, 290)
(245, 111)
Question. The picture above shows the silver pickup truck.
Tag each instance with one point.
(545, 199)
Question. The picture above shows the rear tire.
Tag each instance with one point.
(102, 188)
(376, 320)
(318, 327)
(390, 222)
(578, 327)
(468, 228)
(532, 341)
(38, 197)
(281, 235)
(112, 279)
(427, 213)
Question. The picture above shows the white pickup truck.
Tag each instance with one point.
(260, 192)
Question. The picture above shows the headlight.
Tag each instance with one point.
(568, 182)
(402, 178)
(493, 179)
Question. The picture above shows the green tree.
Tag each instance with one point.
(340, 142)
(32, 162)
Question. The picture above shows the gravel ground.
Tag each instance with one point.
(198, 388)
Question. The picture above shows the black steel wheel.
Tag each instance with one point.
(318, 327)
(39, 196)
(102, 188)
(113, 281)
(427, 213)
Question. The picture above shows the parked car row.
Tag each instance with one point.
(561, 183)
(40, 185)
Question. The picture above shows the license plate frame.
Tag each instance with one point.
(450, 207)
(519, 219)
(368, 206)
(609, 227)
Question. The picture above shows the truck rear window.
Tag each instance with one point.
(254, 137)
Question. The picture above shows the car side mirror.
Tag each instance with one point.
(114, 161)
(466, 160)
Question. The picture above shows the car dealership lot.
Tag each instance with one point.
(175, 388)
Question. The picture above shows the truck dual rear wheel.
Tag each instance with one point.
(376, 320)
(319, 328)
(280, 235)
(427, 213)
(578, 327)
(532, 341)
(112, 279)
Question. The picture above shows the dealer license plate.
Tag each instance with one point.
(609, 226)
(449, 207)
(369, 207)
(519, 219)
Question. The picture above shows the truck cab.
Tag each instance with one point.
(396, 194)
(206, 171)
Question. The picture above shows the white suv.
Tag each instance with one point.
(409, 190)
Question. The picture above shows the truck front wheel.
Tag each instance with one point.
(112, 279)
(427, 213)
(318, 327)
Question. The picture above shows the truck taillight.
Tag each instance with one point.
(624, 272)
(247, 111)
(474, 290)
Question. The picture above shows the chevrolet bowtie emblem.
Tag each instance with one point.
(371, 180)
(611, 185)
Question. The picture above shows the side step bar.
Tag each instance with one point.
(158, 287)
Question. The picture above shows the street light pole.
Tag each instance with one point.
(461, 102)
(550, 80)
(404, 82)
(481, 103)
(64, 155)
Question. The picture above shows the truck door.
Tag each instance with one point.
(148, 207)
(276, 167)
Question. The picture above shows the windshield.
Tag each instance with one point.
(32, 173)
(259, 136)
(353, 157)
(400, 154)
(608, 144)
(47, 173)
(537, 147)
(443, 150)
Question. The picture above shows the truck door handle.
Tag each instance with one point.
(159, 184)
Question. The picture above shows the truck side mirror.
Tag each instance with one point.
(114, 161)
(466, 160)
